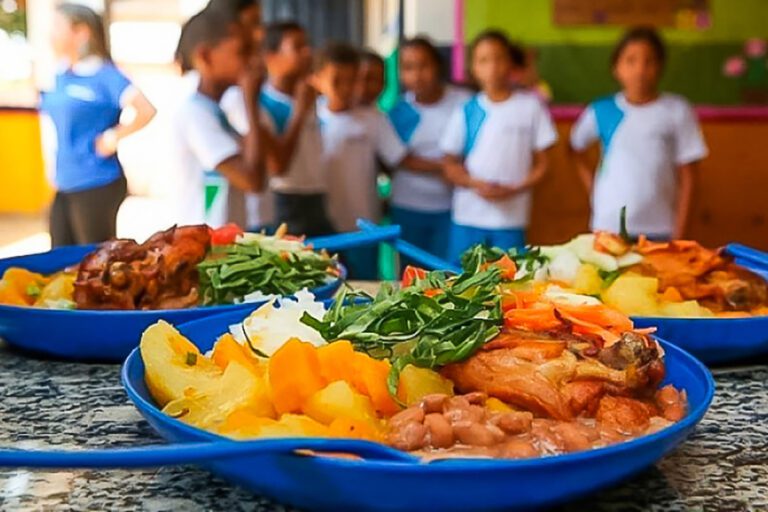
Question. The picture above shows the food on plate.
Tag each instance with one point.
(671, 279)
(179, 268)
(444, 366)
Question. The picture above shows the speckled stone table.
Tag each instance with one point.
(723, 467)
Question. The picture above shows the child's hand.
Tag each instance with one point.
(306, 96)
(494, 191)
(253, 78)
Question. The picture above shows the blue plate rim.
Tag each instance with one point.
(693, 417)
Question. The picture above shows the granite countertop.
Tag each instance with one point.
(722, 467)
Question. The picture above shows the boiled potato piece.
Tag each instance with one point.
(633, 295)
(174, 367)
(239, 388)
(339, 400)
(687, 309)
(244, 424)
(416, 383)
(61, 287)
(588, 280)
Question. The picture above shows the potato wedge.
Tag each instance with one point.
(174, 367)
(339, 400)
(238, 389)
(244, 424)
(416, 383)
(633, 295)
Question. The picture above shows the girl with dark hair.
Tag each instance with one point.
(421, 197)
(85, 106)
(651, 143)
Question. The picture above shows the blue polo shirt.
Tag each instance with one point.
(85, 101)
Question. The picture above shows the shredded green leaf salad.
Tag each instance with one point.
(257, 266)
(437, 320)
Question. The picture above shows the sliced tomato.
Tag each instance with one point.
(411, 274)
(226, 235)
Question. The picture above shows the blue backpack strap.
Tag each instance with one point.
(404, 118)
(279, 112)
(474, 116)
(608, 116)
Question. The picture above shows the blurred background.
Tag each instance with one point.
(717, 60)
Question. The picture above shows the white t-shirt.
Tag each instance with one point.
(306, 174)
(642, 146)
(200, 139)
(421, 127)
(351, 142)
(498, 141)
(260, 207)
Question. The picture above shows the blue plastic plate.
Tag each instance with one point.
(327, 484)
(84, 335)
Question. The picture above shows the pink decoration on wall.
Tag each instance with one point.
(734, 66)
(755, 47)
(457, 53)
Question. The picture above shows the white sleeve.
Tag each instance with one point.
(545, 134)
(584, 131)
(389, 147)
(210, 142)
(689, 142)
(233, 105)
(455, 135)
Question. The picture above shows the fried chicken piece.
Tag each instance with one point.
(161, 273)
(702, 274)
(521, 368)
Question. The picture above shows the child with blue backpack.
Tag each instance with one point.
(496, 146)
(651, 144)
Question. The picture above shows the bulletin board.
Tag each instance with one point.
(657, 13)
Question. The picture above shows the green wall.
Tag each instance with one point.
(575, 60)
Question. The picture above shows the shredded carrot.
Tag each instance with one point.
(505, 264)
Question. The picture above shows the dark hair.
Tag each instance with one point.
(233, 5)
(337, 53)
(516, 53)
(276, 32)
(428, 46)
(208, 27)
(370, 56)
(646, 35)
(81, 15)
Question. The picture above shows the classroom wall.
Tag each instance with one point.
(574, 60)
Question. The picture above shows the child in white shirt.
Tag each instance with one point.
(298, 176)
(651, 144)
(353, 137)
(201, 137)
(421, 196)
(496, 146)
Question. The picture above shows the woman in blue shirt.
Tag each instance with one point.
(85, 106)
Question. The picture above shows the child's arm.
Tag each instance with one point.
(457, 174)
(284, 146)
(584, 170)
(583, 134)
(422, 165)
(684, 195)
(538, 171)
(246, 170)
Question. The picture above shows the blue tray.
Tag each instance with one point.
(326, 484)
(84, 335)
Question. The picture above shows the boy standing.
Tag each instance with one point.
(202, 139)
(353, 137)
(298, 177)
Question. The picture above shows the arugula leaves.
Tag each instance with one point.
(437, 321)
(529, 259)
(231, 272)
